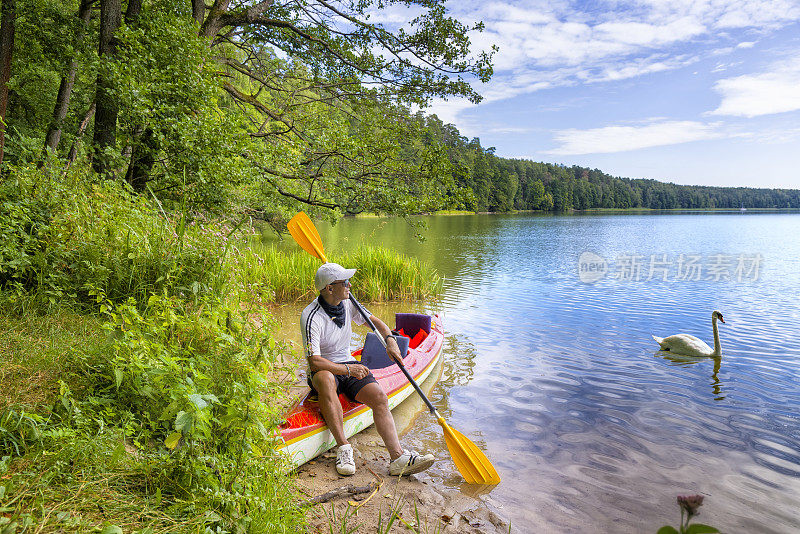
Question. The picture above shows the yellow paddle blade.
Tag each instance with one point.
(473, 465)
(305, 233)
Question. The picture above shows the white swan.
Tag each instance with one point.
(690, 345)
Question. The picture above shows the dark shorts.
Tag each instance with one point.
(348, 385)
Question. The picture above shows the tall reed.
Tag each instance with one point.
(267, 274)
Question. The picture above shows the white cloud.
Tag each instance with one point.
(448, 110)
(553, 43)
(623, 138)
(507, 129)
(649, 35)
(788, 135)
(725, 14)
(751, 95)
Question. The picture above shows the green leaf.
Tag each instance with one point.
(172, 440)
(262, 430)
(117, 377)
(119, 450)
(212, 517)
(183, 421)
(700, 528)
(227, 420)
(666, 529)
(111, 529)
(198, 401)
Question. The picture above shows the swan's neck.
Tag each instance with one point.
(717, 347)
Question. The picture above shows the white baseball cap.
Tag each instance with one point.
(330, 272)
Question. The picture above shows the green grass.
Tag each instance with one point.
(85, 483)
(63, 240)
(454, 212)
(266, 274)
(35, 350)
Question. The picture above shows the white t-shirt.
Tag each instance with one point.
(321, 335)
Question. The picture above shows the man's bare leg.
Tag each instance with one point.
(325, 384)
(373, 396)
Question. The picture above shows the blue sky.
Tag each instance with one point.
(687, 91)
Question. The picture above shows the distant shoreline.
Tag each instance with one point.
(589, 210)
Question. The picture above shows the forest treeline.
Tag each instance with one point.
(504, 184)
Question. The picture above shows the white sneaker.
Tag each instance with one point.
(410, 462)
(345, 465)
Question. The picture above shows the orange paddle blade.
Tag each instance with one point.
(305, 233)
(471, 462)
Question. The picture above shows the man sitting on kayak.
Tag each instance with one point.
(326, 325)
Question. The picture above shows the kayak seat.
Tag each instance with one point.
(374, 353)
(412, 323)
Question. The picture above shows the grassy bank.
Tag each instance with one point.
(141, 380)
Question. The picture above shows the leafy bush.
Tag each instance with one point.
(62, 236)
(163, 424)
(182, 407)
(189, 378)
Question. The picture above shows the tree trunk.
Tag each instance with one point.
(199, 10)
(65, 89)
(142, 160)
(7, 26)
(105, 118)
(73, 151)
(132, 13)
(144, 146)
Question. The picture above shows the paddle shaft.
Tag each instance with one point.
(363, 313)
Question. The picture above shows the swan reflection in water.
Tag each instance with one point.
(685, 361)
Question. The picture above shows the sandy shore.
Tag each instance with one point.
(439, 509)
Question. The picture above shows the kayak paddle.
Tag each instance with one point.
(471, 462)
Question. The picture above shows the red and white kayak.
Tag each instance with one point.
(304, 434)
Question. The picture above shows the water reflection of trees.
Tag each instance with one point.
(684, 361)
(459, 360)
(458, 369)
(452, 242)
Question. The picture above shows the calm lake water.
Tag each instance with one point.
(553, 372)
